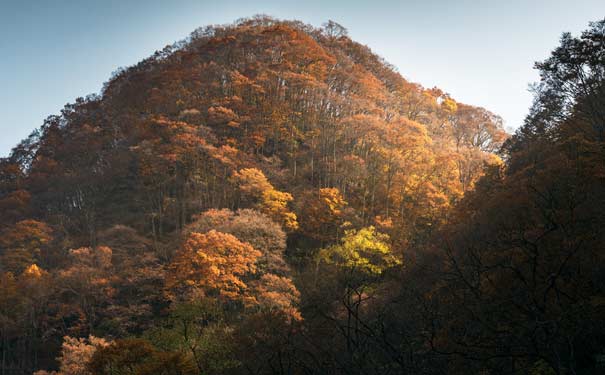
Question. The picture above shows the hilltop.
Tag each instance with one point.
(309, 108)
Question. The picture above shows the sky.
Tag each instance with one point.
(481, 52)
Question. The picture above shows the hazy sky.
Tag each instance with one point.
(481, 52)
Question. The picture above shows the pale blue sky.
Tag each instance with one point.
(481, 52)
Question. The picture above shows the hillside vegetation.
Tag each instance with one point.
(270, 197)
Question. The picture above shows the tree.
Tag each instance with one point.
(215, 264)
(360, 260)
(573, 78)
(14, 200)
(137, 356)
(136, 280)
(199, 331)
(334, 30)
(364, 252)
(253, 183)
(86, 284)
(277, 294)
(22, 244)
(323, 214)
(77, 352)
(252, 227)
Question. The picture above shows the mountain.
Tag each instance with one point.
(308, 107)
(240, 194)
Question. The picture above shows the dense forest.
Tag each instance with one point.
(268, 197)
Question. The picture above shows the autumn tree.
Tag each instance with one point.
(253, 183)
(252, 227)
(214, 264)
(23, 244)
(76, 353)
(323, 214)
(360, 260)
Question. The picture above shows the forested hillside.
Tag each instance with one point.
(268, 197)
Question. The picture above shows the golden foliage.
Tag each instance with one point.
(365, 251)
(253, 184)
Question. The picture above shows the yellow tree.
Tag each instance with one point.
(362, 253)
(360, 259)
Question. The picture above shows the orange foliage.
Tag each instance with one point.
(214, 263)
